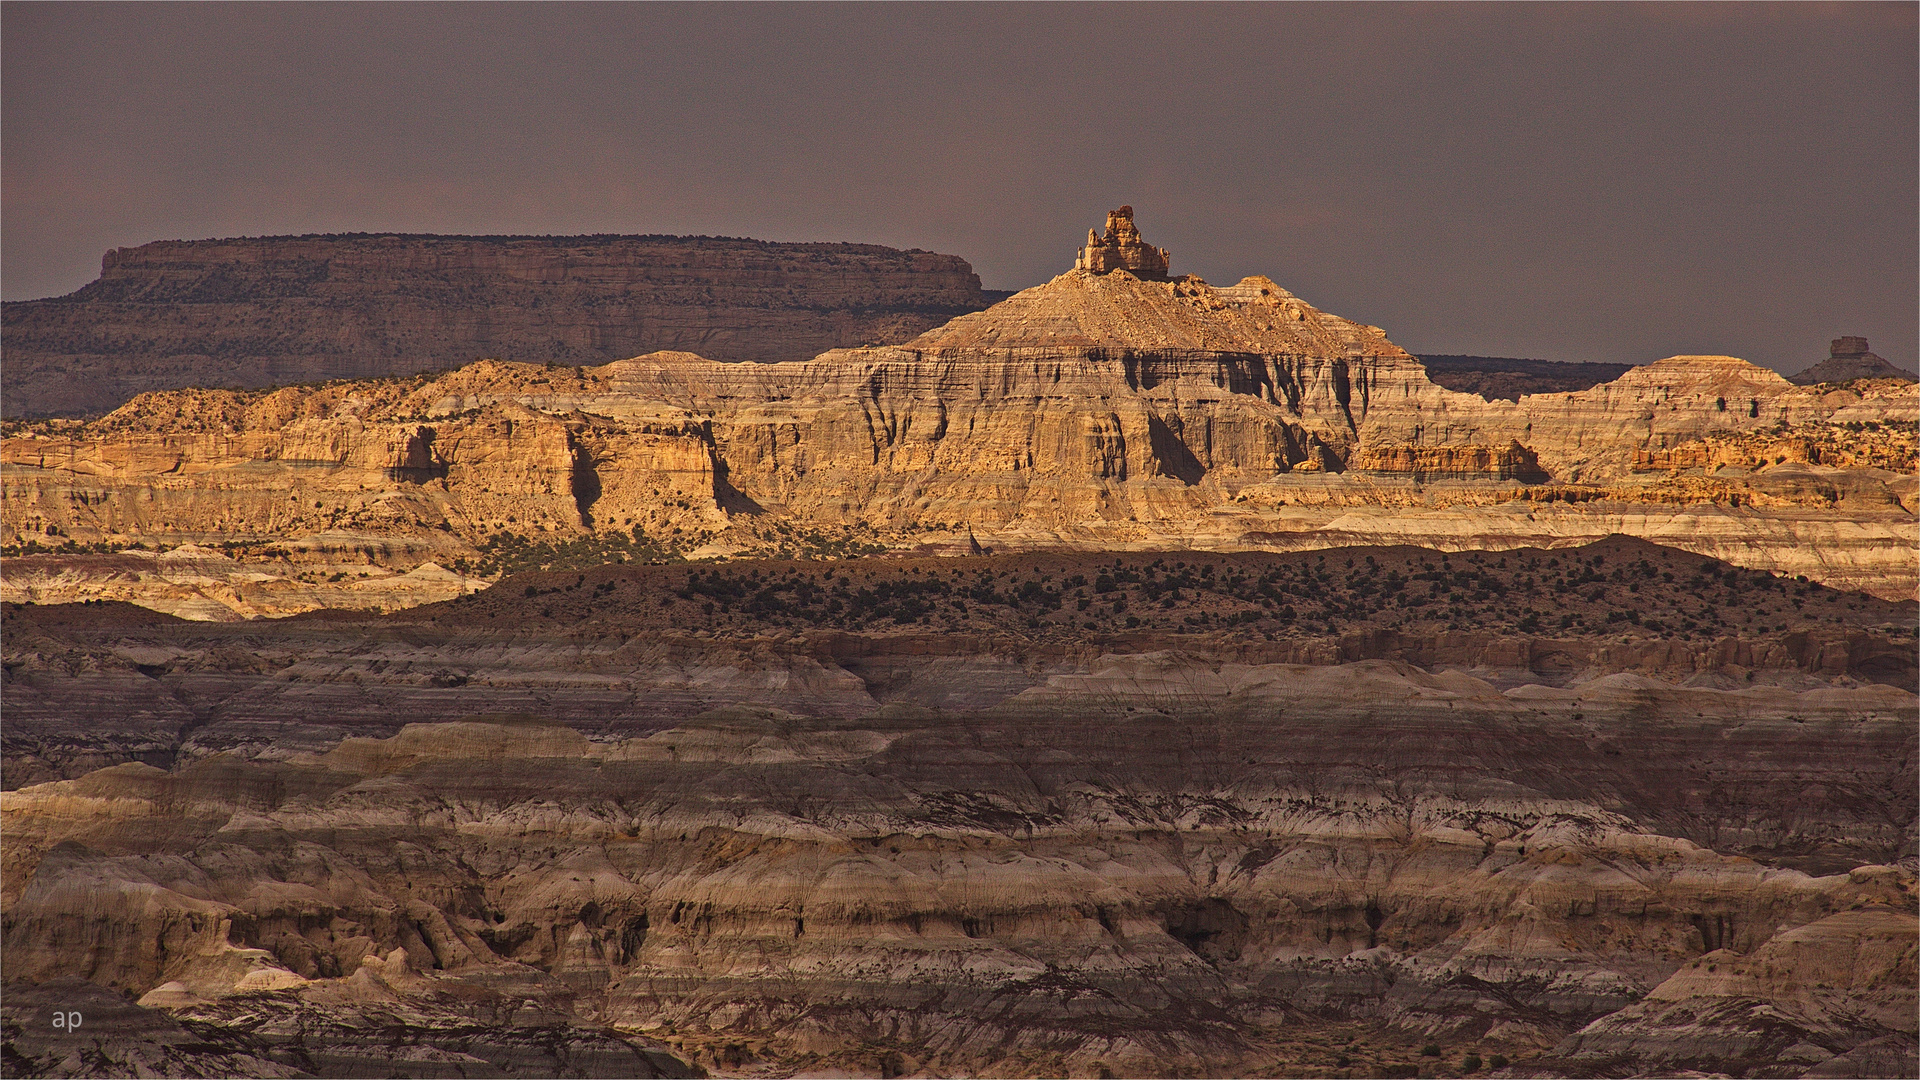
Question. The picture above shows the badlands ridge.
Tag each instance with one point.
(1111, 766)
(1099, 411)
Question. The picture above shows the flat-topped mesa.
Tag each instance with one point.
(1849, 359)
(1122, 249)
(290, 309)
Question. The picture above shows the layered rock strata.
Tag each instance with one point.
(204, 584)
(1099, 410)
(480, 1032)
(291, 309)
(1011, 814)
(1146, 866)
(621, 649)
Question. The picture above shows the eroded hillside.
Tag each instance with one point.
(1093, 412)
(955, 853)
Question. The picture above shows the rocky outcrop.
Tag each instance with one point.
(1510, 462)
(1805, 998)
(1121, 249)
(1850, 360)
(1141, 864)
(202, 584)
(1099, 410)
(276, 310)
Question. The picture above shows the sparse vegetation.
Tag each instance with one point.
(1623, 590)
(514, 553)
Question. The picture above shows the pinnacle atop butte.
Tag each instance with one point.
(1096, 306)
(1122, 249)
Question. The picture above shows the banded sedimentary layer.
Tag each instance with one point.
(1187, 813)
(272, 310)
(1141, 863)
(1097, 411)
(619, 649)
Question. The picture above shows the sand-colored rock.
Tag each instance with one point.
(1121, 249)
(1139, 864)
(1099, 410)
(1807, 996)
(193, 582)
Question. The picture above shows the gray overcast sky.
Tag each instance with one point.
(1574, 182)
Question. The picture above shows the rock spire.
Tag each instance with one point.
(1121, 249)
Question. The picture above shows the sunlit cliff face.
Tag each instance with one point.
(1137, 764)
(1099, 410)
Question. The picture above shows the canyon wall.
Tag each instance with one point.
(1143, 863)
(1129, 759)
(1096, 411)
(278, 310)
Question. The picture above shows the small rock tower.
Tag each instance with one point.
(1122, 249)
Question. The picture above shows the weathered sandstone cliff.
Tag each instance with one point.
(289, 309)
(1099, 410)
(1142, 864)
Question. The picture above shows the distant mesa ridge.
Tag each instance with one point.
(1849, 359)
(256, 311)
(1509, 378)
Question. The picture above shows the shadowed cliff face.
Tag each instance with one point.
(1495, 377)
(275, 310)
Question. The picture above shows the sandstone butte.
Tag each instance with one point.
(1100, 410)
(273, 310)
(708, 840)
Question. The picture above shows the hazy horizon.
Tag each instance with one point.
(1582, 183)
